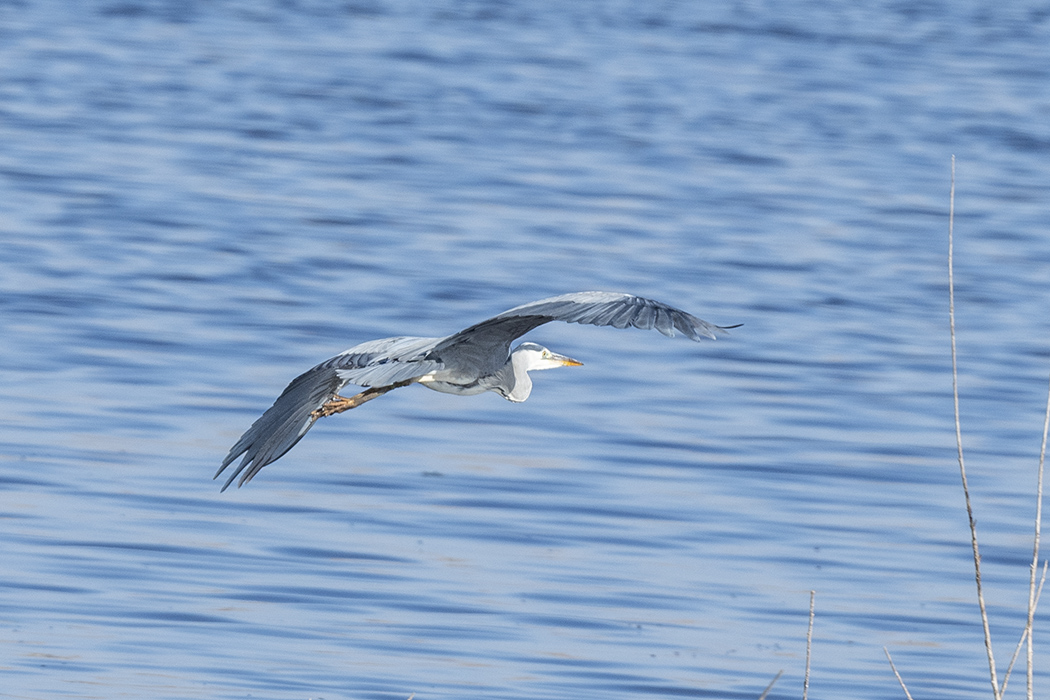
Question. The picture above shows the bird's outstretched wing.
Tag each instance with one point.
(376, 363)
(492, 338)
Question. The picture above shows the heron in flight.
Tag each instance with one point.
(472, 361)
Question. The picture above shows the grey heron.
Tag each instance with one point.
(472, 361)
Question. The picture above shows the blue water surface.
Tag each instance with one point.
(198, 201)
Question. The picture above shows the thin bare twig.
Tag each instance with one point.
(1035, 546)
(809, 643)
(1024, 633)
(770, 686)
(899, 679)
(958, 442)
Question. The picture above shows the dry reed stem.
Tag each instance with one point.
(899, 679)
(1034, 591)
(770, 686)
(958, 442)
(1032, 595)
(809, 644)
(1024, 633)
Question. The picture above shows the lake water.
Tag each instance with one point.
(198, 201)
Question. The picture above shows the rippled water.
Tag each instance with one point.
(198, 201)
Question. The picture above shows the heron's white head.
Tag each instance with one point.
(525, 358)
(531, 356)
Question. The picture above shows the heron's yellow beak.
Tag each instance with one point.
(567, 361)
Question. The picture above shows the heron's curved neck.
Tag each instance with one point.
(516, 380)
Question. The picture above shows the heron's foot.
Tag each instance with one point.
(336, 404)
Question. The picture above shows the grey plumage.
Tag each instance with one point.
(472, 361)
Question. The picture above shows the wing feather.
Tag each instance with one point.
(283, 425)
(375, 363)
(492, 338)
(385, 362)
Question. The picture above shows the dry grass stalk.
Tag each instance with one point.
(1024, 633)
(899, 679)
(1034, 590)
(770, 686)
(1033, 595)
(809, 644)
(958, 443)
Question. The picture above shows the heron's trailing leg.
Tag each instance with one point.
(338, 404)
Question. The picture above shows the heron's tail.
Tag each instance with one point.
(282, 426)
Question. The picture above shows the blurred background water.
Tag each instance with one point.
(200, 200)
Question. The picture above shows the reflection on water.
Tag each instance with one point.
(199, 202)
